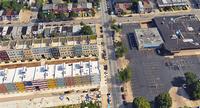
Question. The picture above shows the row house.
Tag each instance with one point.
(145, 6)
(47, 48)
(121, 6)
(9, 15)
(75, 7)
(45, 77)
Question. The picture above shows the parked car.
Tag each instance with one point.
(105, 67)
(122, 89)
(123, 97)
(124, 102)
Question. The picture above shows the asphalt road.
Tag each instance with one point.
(134, 19)
(148, 17)
(115, 84)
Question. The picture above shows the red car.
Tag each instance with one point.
(123, 97)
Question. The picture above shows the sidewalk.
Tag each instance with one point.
(49, 101)
(52, 61)
(43, 93)
(103, 83)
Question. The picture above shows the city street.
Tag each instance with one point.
(152, 74)
(115, 85)
(135, 18)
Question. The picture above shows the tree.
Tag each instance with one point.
(6, 4)
(82, 23)
(16, 6)
(141, 102)
(68, 1)
(125, 74)
(163, 100)
(195, 90)
(89, 105)
(135, 2)
(73, 14)
(120, 50)
(193, 85)
(39, 3)
(113, 21)
(61, 16)
(115, 27)
(190, 78)
(51, 16)
(86, 30)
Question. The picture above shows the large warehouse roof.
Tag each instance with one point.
(179, 32)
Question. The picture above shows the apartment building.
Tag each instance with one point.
(23, 79)
(47, 48)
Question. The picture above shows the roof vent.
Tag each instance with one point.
(174, 36)
(187, 40)
(190, 29)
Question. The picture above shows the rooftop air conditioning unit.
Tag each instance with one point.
(174, 37)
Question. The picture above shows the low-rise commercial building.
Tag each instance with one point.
(179, 33)
(171, 3)
(148, 38)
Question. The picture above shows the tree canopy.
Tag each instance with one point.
(120, 49)
(115, 27)
(5, 4)
(13, 5)
(163, 100)
(141, 102)
(125, 74)
(135, 1)
(193, 85)
(190, 78)
(195, 90)
(86, 30)
(16, 6)
(89, 105)
(39, 3)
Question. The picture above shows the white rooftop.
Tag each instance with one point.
(76, 69)
(2, 76)
(9, 76)
(76, 28)
(94, 66)
(86, 68)
(60, 71)
(41, 72)
(20, 74)
(49, 72)
(1, 12)
(68, 69)
(24, 74)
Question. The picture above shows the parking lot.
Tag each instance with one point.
(154, 74)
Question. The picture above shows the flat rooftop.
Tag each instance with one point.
(9, 75)
(148, 37)
(179, 32)
(24, 74)
(52, 71)
(44, 72)
(166, 3)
